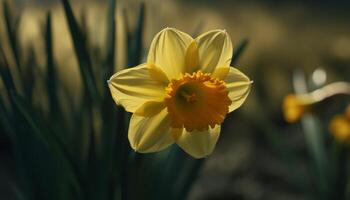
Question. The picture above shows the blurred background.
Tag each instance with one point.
(281, 45)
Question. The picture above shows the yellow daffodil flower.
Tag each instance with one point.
(182, 93)
(293, 108)
(340, 127)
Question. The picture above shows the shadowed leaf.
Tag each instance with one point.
(81, 52)
(242, 45)
(135, 47)
(50, 141)
(6, 73)
(11, 28)
(30, 68)
(51, 76)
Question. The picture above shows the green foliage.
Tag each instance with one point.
(242, 45)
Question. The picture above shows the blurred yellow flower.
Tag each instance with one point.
(340, 127)
(294, 107)
(182, 93)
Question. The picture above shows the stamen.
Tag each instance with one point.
(190, 98)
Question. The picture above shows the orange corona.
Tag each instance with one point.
(197, 101)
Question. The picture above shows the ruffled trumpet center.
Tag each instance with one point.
(196, 101)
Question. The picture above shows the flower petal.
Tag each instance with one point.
(215, 50)
(198, 144)
(150, 134)
(168, 50)
(238, 86)
(157, 74)
(150, 108)
(192, 57)
(133, 87)
(221, 72)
